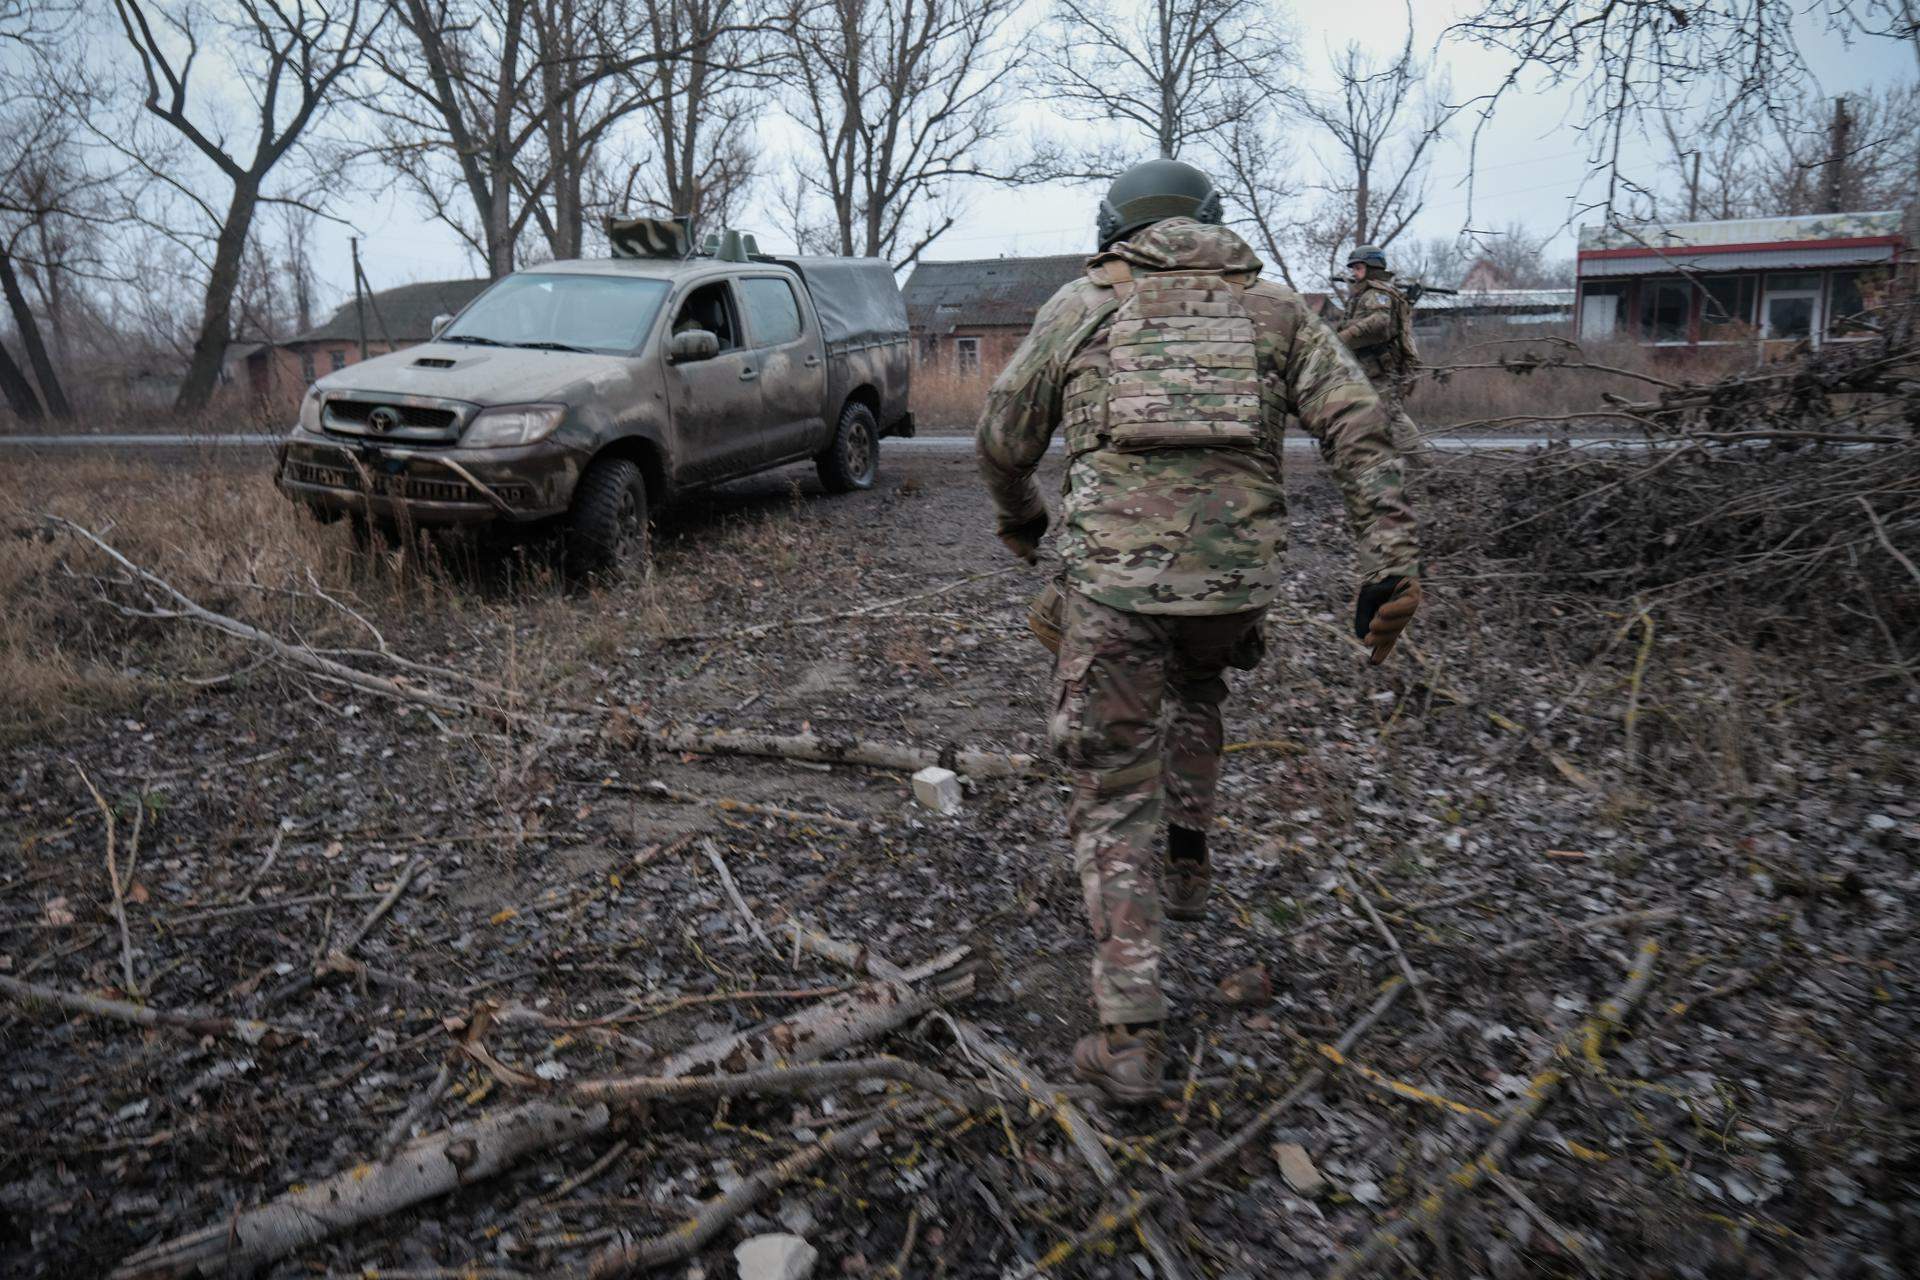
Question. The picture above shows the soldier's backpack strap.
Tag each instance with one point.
(1116, 274)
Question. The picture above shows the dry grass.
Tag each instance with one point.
(1448, 396)
(947, 401)
(217, 529)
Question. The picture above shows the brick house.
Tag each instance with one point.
(969, 316)
(1741, 280)
(404, 313)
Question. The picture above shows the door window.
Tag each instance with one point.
(1791, 308)
(710, 307)
(773, 313)
(1664, 305)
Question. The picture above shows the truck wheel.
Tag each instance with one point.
(607, 526)
(853, 458)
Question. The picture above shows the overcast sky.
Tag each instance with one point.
(1532, 161)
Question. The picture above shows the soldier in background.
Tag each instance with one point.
(1171, 368)
(1379, 328)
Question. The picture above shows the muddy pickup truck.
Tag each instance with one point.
(580, 396)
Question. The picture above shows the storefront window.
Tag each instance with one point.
(1726, 308)
(1663, 310)
(1843, 303)
(1600, 309)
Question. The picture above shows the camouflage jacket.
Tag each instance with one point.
(1378, 327)
(1188, 531)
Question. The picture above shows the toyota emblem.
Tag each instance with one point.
(383, 419)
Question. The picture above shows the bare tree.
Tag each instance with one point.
(1813, 155)
(899, 98)
(1377, 131)
(697, 159)
(291, 56)
(1254, 165)
(1635, 60)
(1172, 73)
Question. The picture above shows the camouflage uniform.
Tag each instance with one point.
(1378, 327)
(1172, 554)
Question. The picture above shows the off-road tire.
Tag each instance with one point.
(852, 460)
(606, 528)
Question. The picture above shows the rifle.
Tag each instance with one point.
(1413, 291)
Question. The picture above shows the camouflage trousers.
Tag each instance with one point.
(1406, 436)
(1136, 720)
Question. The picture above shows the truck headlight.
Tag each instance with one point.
(310, 410)
(513, 424)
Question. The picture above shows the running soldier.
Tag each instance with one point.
(1171, 368)
(1379, 328)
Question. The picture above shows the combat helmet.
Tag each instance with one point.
(1370, 254)
(1154, 191)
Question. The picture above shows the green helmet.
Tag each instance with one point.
(1369, 254)
(1153, 192)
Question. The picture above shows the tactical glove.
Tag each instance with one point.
(1023, 539)
(1382, 612)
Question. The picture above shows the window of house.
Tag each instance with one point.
(1664, 305)
(306, 365)
(1600, 309)
(1843, 301)
(1790, 308)
(1726, 307)
(339, 358)
(966, 354)
(773, 313)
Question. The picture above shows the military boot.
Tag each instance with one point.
(1189, 875)
(1123, 1062)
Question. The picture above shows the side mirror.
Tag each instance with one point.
(692, 345)
(440, 322)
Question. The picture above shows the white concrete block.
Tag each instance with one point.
(937, 789)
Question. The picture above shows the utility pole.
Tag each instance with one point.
(1693, 191)
(1833, 195)
(359, 298)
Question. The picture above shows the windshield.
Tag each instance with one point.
(562, 313)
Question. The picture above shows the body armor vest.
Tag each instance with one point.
(1182, 366)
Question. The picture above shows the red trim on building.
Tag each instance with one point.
(1758, 246)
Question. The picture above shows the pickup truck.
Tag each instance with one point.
(581, 396)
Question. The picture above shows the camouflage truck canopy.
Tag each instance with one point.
(855, 298)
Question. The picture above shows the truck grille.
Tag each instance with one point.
(357, 411)
(402, 486)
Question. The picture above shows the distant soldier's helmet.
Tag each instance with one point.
(1152, 192)
(1369, 254)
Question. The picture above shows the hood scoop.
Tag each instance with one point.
(433, 362)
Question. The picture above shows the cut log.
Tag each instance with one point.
(431, 1166)
(876, 755)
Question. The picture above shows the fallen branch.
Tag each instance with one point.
(1079, 1130)
(774, 1080)
(727, 804)
(1586, 1039)
(115, 880)
(244, 1030)
(733, 891)
(718, 1213)
(339, 960)
(1138, 1205)
(430, 1166)
(865, 611)
(403, 1125)
(1617, 920)
(853, 751)
(1393, 943)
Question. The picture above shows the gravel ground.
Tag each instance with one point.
(1755, 1116)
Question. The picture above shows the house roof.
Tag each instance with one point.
(943, 296)
(407, 310)
(1652, 239)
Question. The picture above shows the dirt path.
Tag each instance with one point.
(1757, 1119)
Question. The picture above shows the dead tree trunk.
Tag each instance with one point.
(29, 326)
